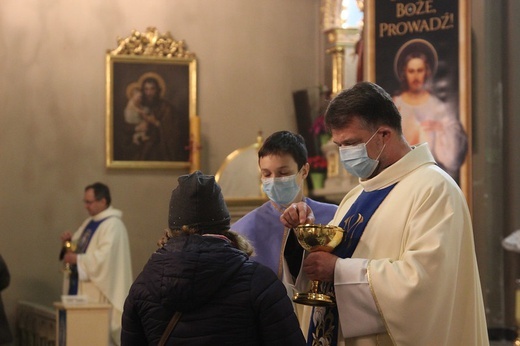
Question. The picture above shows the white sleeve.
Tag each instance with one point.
(82, 274)
(358, 313)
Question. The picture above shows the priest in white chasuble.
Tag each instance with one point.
(405, 272)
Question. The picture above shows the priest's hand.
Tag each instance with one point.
(319, 265)
(70, 257)
(297, 214)
(65, 236)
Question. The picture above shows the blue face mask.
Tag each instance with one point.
(281, 190)
(356, 161)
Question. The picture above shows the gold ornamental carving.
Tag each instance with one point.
(152, 43)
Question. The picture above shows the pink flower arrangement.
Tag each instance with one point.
(318, 126)
(318, 163)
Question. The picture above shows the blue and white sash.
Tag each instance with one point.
(83, 242)
(323, 324)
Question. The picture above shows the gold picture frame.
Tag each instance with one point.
(151, 98)
(440, 31)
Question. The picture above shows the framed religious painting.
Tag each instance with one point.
(151, 116)
(419, 52)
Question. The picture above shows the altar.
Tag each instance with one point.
(82, 324)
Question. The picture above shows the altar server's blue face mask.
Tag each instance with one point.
(281, 190)
(356, 161)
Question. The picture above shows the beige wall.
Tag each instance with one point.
(251, 56)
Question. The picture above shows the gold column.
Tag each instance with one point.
(338, 40)
(338, 61)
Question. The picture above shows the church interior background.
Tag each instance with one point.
(53, 128)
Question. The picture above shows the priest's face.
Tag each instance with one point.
(356, 133)
(93, 205)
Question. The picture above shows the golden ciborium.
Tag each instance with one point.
(67, 246)
(317, 238)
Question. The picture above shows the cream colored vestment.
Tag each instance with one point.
(105, 269)
(420, 264)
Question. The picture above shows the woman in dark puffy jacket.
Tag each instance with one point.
(202, 270)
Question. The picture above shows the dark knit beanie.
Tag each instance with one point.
(197, 202)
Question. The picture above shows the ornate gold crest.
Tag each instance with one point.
(152, 43)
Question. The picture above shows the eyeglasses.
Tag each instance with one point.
(89, 202)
